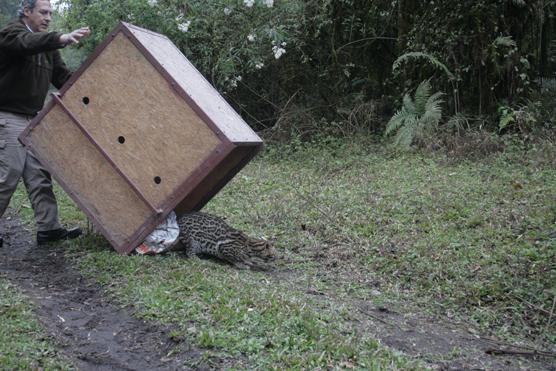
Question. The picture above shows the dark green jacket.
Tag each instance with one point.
(29, 62)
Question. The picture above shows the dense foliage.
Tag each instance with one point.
(8, 9)
(313, 65)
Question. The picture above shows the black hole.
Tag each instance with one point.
(121, 139)
(86, 100)
(157, 180)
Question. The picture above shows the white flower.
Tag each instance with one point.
(251, 37)
(278, 52)
(259, 65)
(184, 26)
(227, 11)
(248, 3)
(152, 2)
(284, 43)
(232, 82)
(268, 3)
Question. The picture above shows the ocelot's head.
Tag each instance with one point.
(262, 249)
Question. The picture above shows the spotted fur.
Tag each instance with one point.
(205, 234)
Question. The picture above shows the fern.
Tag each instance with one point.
(406, 134)
(432, 111)
(408, 103)
(506, 41)
(397, 121)
(420, 55)
(422, 94)
(417, 118)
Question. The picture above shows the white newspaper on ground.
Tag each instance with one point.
(162, 239)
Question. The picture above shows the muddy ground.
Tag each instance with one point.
(97, 334)
(94, 333)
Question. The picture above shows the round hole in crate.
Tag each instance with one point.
(157, 180)
(121, 139)
(86, 100)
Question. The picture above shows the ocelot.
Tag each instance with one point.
(205, 234)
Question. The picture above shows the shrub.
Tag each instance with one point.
(418, 118)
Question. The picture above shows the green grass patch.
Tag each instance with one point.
(23, 344)
(247, 316)
(474, 241)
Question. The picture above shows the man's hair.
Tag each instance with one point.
(25, 4)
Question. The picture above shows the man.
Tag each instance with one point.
(29, 62)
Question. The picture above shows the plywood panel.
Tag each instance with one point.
(163, 127)
(88, 176)
(130, 102)
(196, 86)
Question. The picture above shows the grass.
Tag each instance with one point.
(471, 241)
(23, 345)
(240, 315)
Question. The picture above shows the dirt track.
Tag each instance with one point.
(96, 334)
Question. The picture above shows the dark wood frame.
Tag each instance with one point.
(214, 159)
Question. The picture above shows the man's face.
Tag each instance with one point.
(39, 18)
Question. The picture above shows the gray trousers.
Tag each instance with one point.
(16, 163)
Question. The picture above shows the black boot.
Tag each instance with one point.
(44, 237)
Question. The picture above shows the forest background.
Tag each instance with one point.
(299, 69)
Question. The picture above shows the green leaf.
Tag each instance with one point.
(420, 55)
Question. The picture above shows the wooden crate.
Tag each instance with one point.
(138, 132)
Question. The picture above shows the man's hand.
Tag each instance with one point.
(74, 36)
